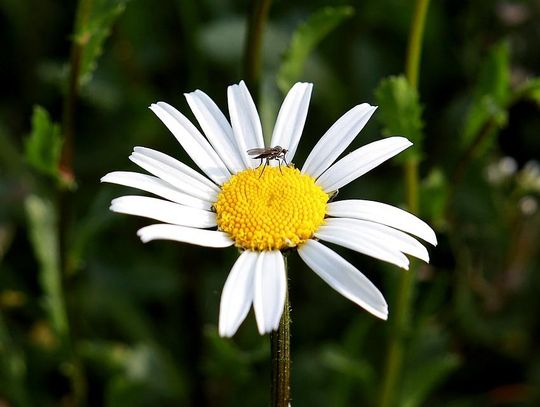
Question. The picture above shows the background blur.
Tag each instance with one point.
(90, 315)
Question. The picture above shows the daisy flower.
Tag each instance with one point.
(266, 210)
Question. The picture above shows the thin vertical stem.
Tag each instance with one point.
(402, 306)
(280, 342)
(416, 34)
(73, 368)
(252, 57)
(72, 93)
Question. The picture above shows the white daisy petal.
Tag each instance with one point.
(337, 139)
(198, 148)
(175, 177)
(200, 237)
(382, 235)
(361, 161)
(155, 186)
(245, 122)
(216, 128)
(385, 214)
(188, 201)
(163, 211)
(291, 119)
(343, 277)
(362, 244)
(237, 295)
(270, 288)
(178, 165)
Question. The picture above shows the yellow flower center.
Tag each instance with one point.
(273, 212)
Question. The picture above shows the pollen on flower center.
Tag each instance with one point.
(281, 209)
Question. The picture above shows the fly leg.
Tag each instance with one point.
(264, 167)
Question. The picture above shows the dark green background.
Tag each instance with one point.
(143, 318)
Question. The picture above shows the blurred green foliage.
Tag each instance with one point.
(43, 146)
(91, 316)
(400, 112)
(305, 39)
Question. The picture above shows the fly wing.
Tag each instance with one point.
(257, 151)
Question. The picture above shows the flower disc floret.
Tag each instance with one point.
(280, 209)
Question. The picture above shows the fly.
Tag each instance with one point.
(267, 154)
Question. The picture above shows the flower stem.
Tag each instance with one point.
(402, 306)
(72, 94)
(72, 366)
(280, 342)
(416, 34)
(252, 56)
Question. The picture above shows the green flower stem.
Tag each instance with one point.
(72, 366)
(416, 34)
(280, 342)
(252, 61)
(402, 306)
(68, 115)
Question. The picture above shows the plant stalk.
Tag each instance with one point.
(414, 50)
(280, 342)
(402, 307)
(73, 368)
(252, 56)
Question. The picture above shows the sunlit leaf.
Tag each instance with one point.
(530, 89)
(305, 39)
(44, 145)
(400, 112)
(43, 234)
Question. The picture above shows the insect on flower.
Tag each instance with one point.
(222, 206)
(272, 153)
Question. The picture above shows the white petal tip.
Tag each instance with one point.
(224, 333)
(144, 235)
(266, 330)
(381, 313)
(144, 238)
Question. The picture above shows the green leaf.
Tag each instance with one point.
(148, 377)
(44, 145)
(529, 90)
(488, 111)
(13, 372)
(305, 39)
(93, 26)
(433, 197)
(400, 112)
(494, 76)
(43, 229)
